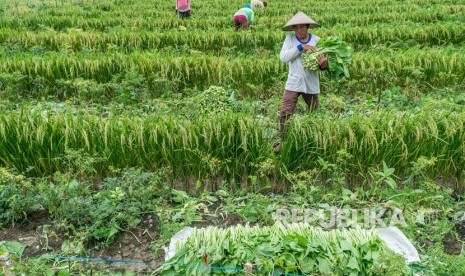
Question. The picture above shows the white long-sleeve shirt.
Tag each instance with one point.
(299, 79)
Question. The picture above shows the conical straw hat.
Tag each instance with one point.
(300, 18)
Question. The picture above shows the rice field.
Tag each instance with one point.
(92, 89)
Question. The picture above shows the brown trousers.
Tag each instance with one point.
(288, 105)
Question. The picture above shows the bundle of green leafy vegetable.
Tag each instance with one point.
(339, 57)
(297, 248)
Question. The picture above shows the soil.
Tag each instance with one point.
(130, 251)
(452, 245)
(31, 233)
(460, 229)
(217, 217)
(134, 248)
(426, 243)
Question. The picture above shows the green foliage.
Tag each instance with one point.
(12, 247)
(384, 176)
(419, 169)
(89, 90)
(339, 55)
(149, 141)
(12, 85)
(385, 135)
(214, 100)
(284, 249)
(80, 163)
(116, 205)
(254, 208)
(335, 103)
(129, 87)
(33, 267)
(18, 197)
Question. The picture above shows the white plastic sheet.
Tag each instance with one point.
(398, 242)
(178, 237)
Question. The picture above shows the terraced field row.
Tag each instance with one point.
(433, 66)
(126, 41)
(155, 24)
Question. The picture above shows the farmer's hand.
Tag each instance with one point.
(309, 48)
(322, 61)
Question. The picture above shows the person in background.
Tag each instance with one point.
(243, 17)
(300, 82)
(183, 8)
(258, 4)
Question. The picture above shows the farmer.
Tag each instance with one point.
(258, 3)
(243, 17)
(183, 8)
(299, 80)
